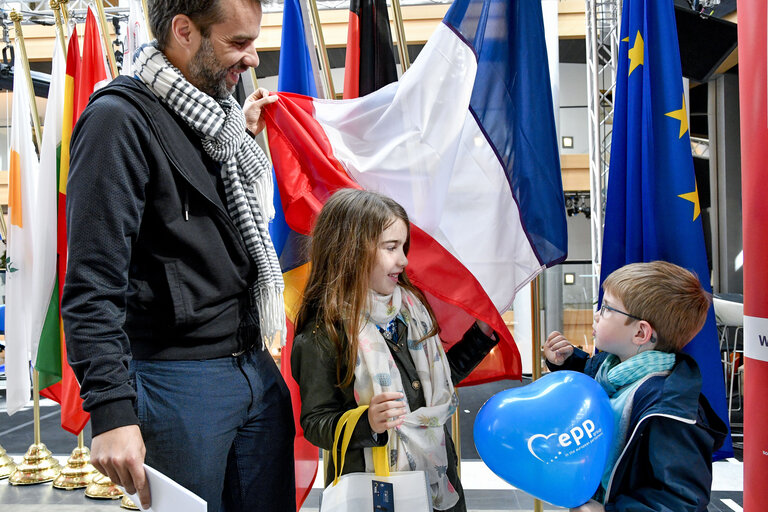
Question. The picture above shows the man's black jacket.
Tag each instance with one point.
(156, 267)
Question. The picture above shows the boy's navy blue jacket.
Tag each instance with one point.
(666, 464)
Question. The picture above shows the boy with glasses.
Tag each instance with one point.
(666, 430)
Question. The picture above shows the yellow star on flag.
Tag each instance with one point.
(636, 53)
(694, 198)
(682, 116)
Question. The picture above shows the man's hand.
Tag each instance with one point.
(557, 349)
(119, 454)
(386, 411)
(590, 506)
(252, 108)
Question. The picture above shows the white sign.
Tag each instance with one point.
(168, 496)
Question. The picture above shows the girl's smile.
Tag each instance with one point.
(390, 258)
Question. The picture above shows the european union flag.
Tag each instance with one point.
(652, 210)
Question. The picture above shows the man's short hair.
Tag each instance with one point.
(665, 295)
(203, 13)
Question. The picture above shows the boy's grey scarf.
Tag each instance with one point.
(246, 172)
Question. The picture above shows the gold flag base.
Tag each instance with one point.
(102, 488)
(7, 466)
(38, 466)
(78, 472)
(128, 504)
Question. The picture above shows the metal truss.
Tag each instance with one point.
(602, 40)
(40, 12)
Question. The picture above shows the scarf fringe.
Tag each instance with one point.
(271, 307)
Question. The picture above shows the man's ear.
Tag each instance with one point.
(644, 334)
(184, 33)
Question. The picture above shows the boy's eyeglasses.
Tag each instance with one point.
(605, 306)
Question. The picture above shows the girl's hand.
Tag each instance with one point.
(590, 506)
(557, 349)
(386, 411)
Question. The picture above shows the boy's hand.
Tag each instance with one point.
(386, 411)
(557, 349)
(590, 506)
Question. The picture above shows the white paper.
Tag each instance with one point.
(168, 496)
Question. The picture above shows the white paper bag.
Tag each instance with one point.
(354, 492)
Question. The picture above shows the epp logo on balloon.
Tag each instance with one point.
(572, 437)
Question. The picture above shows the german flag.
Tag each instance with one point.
(370, 61)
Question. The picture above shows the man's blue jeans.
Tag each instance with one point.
(222, 428)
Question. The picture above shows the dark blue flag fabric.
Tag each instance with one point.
(652, 210)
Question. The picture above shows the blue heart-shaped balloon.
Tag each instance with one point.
(550, 438)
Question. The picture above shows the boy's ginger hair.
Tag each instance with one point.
(665, 295)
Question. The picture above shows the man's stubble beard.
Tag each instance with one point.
(206, 71)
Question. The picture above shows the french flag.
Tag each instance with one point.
(466, 142)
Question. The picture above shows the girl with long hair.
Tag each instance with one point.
(366, 335)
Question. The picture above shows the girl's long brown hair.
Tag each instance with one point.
(343, 253)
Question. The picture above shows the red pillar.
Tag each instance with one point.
(753, 89)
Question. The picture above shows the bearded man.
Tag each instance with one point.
(173, 289)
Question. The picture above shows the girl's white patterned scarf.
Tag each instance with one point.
(245, 170)
(419, 444)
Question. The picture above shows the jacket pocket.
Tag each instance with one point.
(140, 294)
(178, 298)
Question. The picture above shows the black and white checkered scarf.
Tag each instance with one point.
(246, 172)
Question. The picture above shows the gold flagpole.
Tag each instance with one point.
(456, 435)
(59, 26)
(264, 131)
(105, 37)
(64, 12)
(320, 40)
(307, 29)
(38, 465)
(16, 19)
(402, 42)
(146, 18)
(538, 506)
